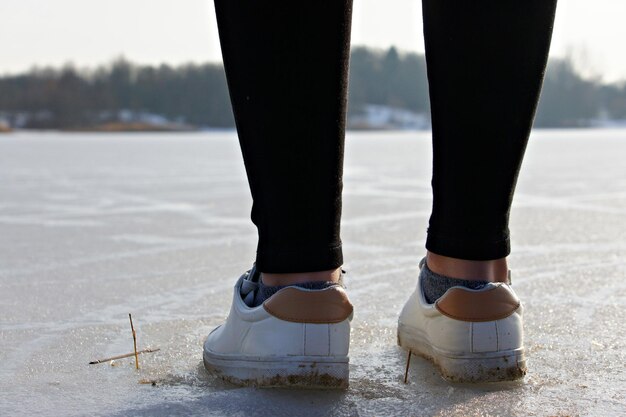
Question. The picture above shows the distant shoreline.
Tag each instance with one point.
(124, 127)
(138, 128)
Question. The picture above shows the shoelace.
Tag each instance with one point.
(249, 285)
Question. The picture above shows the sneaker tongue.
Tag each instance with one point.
(249, 285)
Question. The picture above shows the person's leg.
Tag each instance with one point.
(287, 70)
(486, 61)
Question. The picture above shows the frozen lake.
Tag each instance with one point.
(96, 226)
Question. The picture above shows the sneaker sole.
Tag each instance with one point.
(505, 365)
(289, 371)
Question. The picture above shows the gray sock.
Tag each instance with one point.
(435, 285)
(265, 291)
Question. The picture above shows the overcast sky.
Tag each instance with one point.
(91, 32)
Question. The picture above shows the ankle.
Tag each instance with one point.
(495, 270)
(331, 275)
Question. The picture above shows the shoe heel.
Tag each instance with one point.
(507, 365)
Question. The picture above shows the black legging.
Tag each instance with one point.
(286, 64)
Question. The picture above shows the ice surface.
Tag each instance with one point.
(94, 226)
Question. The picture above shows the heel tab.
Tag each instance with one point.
(330, 305)
(495, 303)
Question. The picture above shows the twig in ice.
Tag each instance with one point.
(127, 355)
(134, 341)
(406, 371)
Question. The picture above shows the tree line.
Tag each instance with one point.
(197, 95)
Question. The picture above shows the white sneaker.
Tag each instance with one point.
(471, 335)
(297, 337)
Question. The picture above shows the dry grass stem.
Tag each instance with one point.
(406, 371)
(134, 341)
(126, 355)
